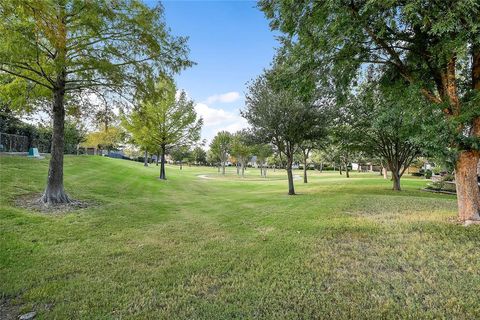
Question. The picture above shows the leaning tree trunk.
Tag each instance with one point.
(291, 189)
(468, 195)
(55, 192)
(145, 159)
(163, 176)
(340, 168)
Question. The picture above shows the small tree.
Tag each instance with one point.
(391, 125)
(179, 154)
(164, 120)
(221, 147)
(281, 118)
(263, 151)
(199, 156)
(242, 149)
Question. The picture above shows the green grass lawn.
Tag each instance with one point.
(213, 247)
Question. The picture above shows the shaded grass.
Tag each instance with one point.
(233, 247)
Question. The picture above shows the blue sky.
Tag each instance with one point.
(231, 43)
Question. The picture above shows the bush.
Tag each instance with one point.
(428, 174)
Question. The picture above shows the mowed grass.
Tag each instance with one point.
(202, 246)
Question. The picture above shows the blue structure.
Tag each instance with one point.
(33, 153)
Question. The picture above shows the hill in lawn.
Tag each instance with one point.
(224, 247)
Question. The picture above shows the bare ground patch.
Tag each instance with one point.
(33, 202)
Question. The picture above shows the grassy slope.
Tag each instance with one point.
(227, 248)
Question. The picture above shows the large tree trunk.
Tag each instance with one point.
(291, 189)
(145, 159)
(55, 192)
(340, 168)
(163, 176)
(223, 167)
(346, 170)
(396, 180)
(385, 173)
(468, 195)
(305, 179)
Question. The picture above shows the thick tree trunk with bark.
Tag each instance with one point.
(468, 195)
(291, 189)
(347, 171)
(340, 168)
(54, 192)
(396, 180)
(223, 167)
(163, 176)
(145, 159)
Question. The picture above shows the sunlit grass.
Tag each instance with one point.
(232, 247)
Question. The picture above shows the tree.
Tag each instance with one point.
(391, 124)
(165, 120)
(281, 118)
(241, 149)
(434, 46)
(136, 124)
(106, 140)
(221, 147)
(263, 151)
(68, 46)
(199, 156)
(179, 154)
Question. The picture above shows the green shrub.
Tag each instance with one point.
(428, 174)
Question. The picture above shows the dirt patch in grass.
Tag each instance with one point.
(8, 311)
(33, 202)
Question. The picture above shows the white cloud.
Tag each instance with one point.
(223, 98)
(212, 116)
(216, 120)
(239, 124)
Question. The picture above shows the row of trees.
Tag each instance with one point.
(242, 146)
(426, 58)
